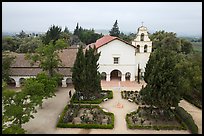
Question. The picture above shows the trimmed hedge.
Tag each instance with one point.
(187, 119)
(98, 101)
(156, 127)
(60, 123)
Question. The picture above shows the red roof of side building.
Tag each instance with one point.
(106, 39)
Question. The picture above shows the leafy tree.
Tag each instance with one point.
(167, 39)
(29, 44)
(10, 43)
(191, 70)
(74, 40)
(35, 90)
(53, 34)
(66, 30)
(115, 30)
(86, 36)
(186, 46)
(22, 34)
(50, 84)
(17, 108)
(47, 56)
(13, 129)
(7, 60)
(127, 38)
(162, 77)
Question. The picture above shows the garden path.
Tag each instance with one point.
(195, 112)
(46, 119)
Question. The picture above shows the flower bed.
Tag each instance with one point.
(85, 116)
(144, 118)
(104, 94)
(132, 96)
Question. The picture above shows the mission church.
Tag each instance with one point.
(119, 60)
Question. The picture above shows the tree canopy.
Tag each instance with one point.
(53, 34)
(85, 77)
(7, 60)
(85, 35)
(115, 30)
(47, 56)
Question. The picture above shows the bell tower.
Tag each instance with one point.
(142, 51)
(142, 41)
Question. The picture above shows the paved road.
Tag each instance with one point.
(46, 119)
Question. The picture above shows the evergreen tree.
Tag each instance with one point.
(85, 75)
(163, 89)
(66, 30)
(6, 63)
(93, 85)
(115, 30)
(53, 34)
(78, 72)
(76, 30)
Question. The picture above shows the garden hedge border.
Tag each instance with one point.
(187, 119)
(60, 124)
(191, 100)
(156, 127)
(98, 101)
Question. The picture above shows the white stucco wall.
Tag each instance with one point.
(117, 48)
(141, 59)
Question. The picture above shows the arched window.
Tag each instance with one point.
(138, 48)
(145, 48)
(103, 76)
(127, 76)
(142, 37)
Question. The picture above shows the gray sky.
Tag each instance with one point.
(178, 17)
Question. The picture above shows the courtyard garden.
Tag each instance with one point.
(153, 118)
(132, 96)
(85, 116)
(104, 95)
(150, 117)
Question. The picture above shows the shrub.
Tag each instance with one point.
(97, 101)
(187, 119)
(155, 127)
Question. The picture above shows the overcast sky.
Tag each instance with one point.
(179, 17)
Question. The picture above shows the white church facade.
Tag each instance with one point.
(121, 60)
(118, 60)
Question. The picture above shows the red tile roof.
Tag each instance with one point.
(106, 39)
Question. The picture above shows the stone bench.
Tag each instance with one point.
(105, 110)
(105, 99)
(130, 100)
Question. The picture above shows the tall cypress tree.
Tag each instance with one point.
(93, 84)
(76, 30)
(78, 71)
(115, 30)
(85, 76)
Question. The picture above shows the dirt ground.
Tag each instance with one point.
(46, 119)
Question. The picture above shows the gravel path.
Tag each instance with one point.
(195, 112)
(46, 119)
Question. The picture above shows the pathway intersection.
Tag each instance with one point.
(46, 119)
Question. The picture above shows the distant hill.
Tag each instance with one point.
(7, 34)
